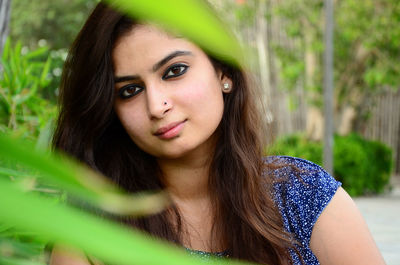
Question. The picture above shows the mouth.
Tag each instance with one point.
(172, 130)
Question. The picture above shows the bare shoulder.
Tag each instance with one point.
(62, 255)
(341, 236)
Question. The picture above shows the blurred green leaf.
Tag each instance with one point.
(44, 139)
(36, 53)
(43, 78)
(80, 181)
(6, 50)
(11, 172)
(4, 227)
(18, 261)
(21, 248)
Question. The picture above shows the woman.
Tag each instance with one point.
(152, 111)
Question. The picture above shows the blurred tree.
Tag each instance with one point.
(54, 23)
(4, 21)
(367, 43)
(368, 53)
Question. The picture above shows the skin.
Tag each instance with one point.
(192, 91)
(340, 235)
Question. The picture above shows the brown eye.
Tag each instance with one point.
(175, 70)
(129, 91)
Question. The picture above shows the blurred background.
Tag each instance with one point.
(285, 44)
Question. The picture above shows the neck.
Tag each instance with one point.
(186, 179)
(187, 183)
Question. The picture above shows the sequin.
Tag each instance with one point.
(207, 255)
(301, 200)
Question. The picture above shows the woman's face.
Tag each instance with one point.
(169, 96)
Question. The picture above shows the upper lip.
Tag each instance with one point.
(164, 129)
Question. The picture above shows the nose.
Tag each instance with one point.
(158, 102)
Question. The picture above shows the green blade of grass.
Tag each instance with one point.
(80, 181)
(20, 249)
(100, 238)
(57, 169)
(12, 172)
(18, 261)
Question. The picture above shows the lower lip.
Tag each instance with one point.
(173, 132)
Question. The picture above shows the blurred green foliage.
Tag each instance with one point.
(363, 166)
(24, 76)
(49, 22)
(19, 248)
(366, 50)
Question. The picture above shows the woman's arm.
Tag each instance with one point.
(341, 236)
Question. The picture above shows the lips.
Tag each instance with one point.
(171, 130)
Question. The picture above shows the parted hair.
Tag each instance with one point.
(246, 220)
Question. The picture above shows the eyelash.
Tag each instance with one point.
(137, 89)
(182, 68)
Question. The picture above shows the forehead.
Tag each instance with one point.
(144, 32)
(146, 44)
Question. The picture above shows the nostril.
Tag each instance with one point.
(158, 111)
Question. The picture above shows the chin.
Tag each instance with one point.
(172, 154)
(193, 149)
(176, 152)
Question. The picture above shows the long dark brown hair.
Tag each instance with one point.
(246, 219)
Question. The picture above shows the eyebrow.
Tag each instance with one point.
(158, 65)
(170, 57)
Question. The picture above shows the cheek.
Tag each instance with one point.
(202, 94)
(131, 119)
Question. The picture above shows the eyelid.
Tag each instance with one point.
(165, 77)
(124, 88)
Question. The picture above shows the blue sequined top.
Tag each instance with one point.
(301, 197)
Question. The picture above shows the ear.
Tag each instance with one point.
(226, 82)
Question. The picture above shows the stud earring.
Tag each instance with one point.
(226, 87)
